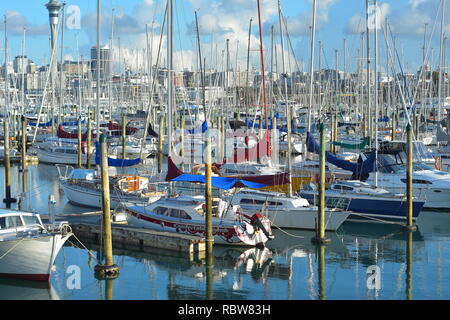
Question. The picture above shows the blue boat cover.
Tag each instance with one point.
(204, 128)
(219, 182)
(360, 170)
(115, 162)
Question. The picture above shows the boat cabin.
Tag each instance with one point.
(13, 222)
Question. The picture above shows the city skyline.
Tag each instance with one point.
(335, 22)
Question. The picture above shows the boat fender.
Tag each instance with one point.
(256, 221)
(438, 163)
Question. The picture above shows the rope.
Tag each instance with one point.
(89, 251)
(11, 249)
(376, 219)
(289, 234)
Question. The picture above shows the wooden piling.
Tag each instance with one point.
(8, 199)
(208, 196)
(109, 269)
(409, 183)
(80, 142)
(160, 142)
(320, 232)
(124, 137)
(88, 143)
(24, 162)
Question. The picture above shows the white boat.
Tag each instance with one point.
(186, 215)
(28, 249)
(83, 187)
(62, 153)
(286, 212)
(428, 183)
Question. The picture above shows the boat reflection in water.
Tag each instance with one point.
(26, 290)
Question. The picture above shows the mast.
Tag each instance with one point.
(288, 108)
(170, 101)
(23, 73)
(61, 95)
(376, 90)
(369, 109)
(110, 64)
(441, 58)
(98, 72)
(263, 82)
(247, 89)
(311, 65)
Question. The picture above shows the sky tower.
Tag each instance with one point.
(53, 14)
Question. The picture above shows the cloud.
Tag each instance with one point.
(357, 24)
(16, 22)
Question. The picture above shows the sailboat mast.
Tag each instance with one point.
(169, 75)
(311, 64)
(263, 82)
(376, 88)
(288, 108)
(98, 72)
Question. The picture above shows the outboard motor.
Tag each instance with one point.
(261, 222)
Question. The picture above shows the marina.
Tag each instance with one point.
(133, 168)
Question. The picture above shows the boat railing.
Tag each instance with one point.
(64, 171)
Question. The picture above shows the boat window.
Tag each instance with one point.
(10, 222)
(31, 220)
(418, 181)
(160, 210)
(176, 213)
(341, 187)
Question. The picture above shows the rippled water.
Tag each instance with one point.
(290, 268)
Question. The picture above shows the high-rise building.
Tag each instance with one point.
(21, 64)
(105, 62)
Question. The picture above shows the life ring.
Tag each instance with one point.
(153, 140)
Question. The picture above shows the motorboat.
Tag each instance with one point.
(428, 183)
(365, 200)
(186, 215)
(28, 248)
(286, 212)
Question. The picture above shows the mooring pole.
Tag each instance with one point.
(8, 200)
(24, 163)
(208, 220)
(208, 195)
(88, 143)
(160, 142)
(80, 151)
(124, 136)
(409, 183)
(109, 269)
(320, 232)
(183, 121)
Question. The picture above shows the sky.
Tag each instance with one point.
(220, 20)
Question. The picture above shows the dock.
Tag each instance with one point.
(87, 228)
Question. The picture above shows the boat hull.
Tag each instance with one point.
(87, 197)
(58, 158)
(30, 258)
(391, 209)
(223, 234)
(300, 218)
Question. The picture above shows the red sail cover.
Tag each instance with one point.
(117, 127)
(66, 135)
(269, 180)
(251, 154)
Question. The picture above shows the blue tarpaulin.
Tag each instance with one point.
(219, 182)
(204, 128)
(360, 169)
(115, 162)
